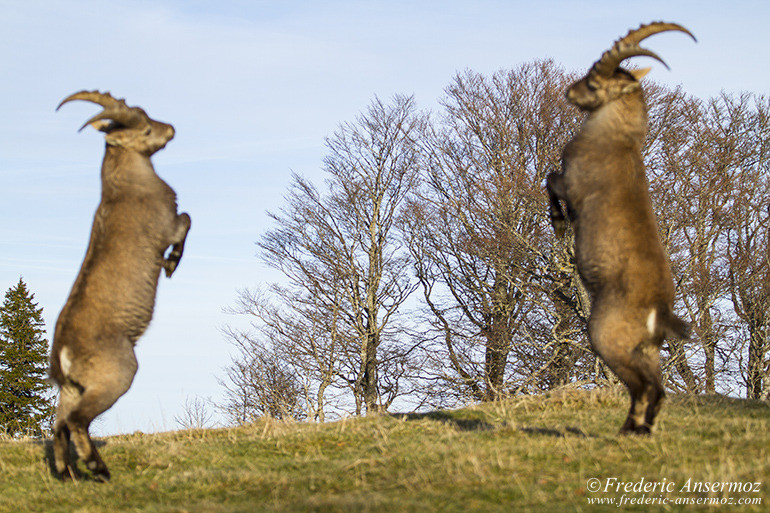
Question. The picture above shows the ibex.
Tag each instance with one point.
(618, 252)
(113, 297)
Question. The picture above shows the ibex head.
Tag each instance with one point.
(127, 127)
(606, 81)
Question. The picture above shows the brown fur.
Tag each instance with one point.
(618, 251)
(112, 299)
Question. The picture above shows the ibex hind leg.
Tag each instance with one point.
(69, 397)
(61, 450)
(635, 421)
(615, 340)
(110, 379)
(648, 363)
(87, 450)
(645, 386)
(178, 239)
(646, 390)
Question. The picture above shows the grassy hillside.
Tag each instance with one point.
(552, 453)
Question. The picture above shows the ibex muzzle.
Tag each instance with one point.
(618, 252)
(113, 297)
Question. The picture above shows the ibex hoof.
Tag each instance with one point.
(560, 228)
(100, 472)
(102, 477)
(68, 474)
(169, 265)
(630, 428)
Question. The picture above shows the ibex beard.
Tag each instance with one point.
(113, 297)
(618, 251)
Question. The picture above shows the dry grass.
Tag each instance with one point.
(527, 454)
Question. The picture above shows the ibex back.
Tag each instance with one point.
(618, 252)
(113, 297)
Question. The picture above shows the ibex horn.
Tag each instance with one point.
(629, 47)
(114, 110)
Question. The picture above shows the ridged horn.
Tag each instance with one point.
(114, 110)
(628, 46)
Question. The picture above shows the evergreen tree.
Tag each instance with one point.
(26, 401)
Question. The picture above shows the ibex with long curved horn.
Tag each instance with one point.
(617, 247)
(113, 297)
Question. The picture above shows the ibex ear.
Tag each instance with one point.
(635, 85)
(103, 125)
(639, 73)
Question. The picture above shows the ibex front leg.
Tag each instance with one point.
(178, 238)
(555, 188)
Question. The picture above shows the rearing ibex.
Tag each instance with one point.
(618, 252)
(112, 299)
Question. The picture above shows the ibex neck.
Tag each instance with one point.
(126, 169)
(623, 118)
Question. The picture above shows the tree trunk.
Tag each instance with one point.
(319, 413)
(676, 353)
(756, 373)
(706, 335)
(494, 365)
(498, 339)
(561, 366)
(369, 380)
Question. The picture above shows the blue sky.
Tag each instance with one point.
(252, 88)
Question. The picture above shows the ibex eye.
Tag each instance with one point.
(147, 130)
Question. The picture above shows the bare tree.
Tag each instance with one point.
(338, 316)
(303, 335)
(195, 414)
(690, 192)
(747, 119)
(488, 266)
(260, 383)
(709, 181)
